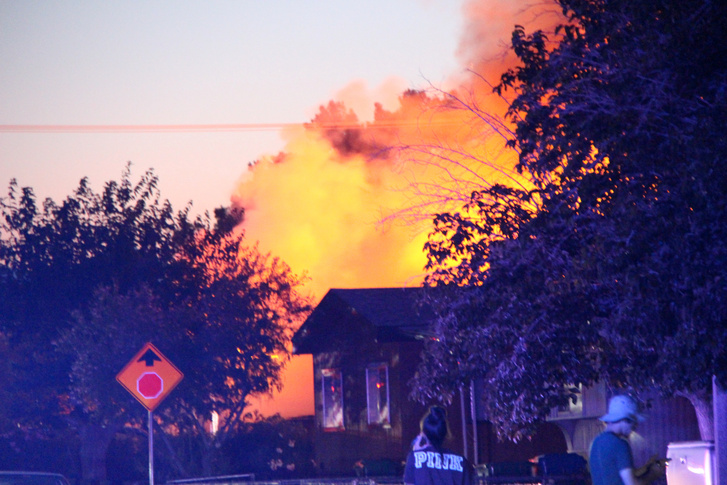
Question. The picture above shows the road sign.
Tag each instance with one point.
(149, 376)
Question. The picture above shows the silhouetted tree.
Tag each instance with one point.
(620, 274)
(86, 283)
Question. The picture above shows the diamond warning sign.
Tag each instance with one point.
(149, 376)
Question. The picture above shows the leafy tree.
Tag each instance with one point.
(99, 340)
(86, 283)
(53, 258)
(237, 332)
(619, 276)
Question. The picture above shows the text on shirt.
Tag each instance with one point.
(439, 461)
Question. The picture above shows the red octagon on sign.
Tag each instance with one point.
(150, 385)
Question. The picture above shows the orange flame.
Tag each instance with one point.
(349, 202)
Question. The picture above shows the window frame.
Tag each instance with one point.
(374, 415)
(332, 399)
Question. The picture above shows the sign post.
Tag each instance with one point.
(149, 377)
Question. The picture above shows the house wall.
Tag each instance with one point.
(384, 448)
(667, 420)
(338, 450)
(573, 428)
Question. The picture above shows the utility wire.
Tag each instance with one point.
(201, 128)
(145, 128)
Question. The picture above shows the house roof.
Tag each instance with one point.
(386, 314)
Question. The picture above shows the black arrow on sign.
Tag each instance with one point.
(149, 357)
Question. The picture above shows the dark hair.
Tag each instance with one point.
(434, 426)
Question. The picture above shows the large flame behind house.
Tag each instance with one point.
(349, 201)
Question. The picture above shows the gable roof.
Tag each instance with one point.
(385, 314)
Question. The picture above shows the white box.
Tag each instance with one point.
(690, 463)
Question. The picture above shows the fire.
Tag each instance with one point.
(349, 200)
(318, 210)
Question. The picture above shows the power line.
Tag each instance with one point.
(145, 128)
(207, 128)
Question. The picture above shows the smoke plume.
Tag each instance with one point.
(349, 200)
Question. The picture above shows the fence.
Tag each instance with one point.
(249, 479)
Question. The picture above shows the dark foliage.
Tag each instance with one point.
(621, 273)
(85, 283)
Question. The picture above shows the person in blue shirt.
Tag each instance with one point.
(611, 460)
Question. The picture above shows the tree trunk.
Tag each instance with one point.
(95, 441)
(702, 402)
(179, 466)
(208, 452)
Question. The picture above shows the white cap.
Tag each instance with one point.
(622, 407)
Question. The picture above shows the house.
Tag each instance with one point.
(366, 345)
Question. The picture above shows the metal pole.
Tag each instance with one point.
(473, 412)
(464, 422)
(150, 426)
(719, 403)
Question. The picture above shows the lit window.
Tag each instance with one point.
(332, 399)
(377, 394)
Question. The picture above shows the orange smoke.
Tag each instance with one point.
(349, 200)
(318, 210)
(349, 203)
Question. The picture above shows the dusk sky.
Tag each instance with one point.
(158, 64)
(87, 86)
